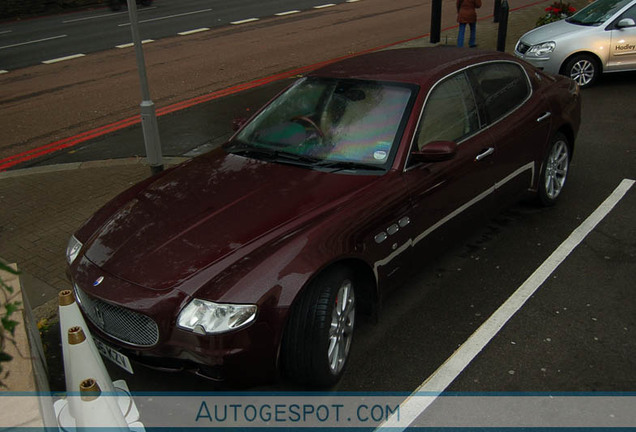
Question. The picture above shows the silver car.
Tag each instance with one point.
(599, 38)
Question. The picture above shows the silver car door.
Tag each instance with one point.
(623, 45)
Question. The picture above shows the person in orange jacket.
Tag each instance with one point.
(467, 14)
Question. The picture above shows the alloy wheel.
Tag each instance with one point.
(583, 72)
(341, 328)
(556, 169)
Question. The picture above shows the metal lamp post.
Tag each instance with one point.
(148, 114)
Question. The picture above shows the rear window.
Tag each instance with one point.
(502, 87)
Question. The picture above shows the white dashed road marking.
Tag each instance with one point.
(33, 41)
(189, 32)
(61, 59)
(245, 21)
(168, 17)
(128, 45)
(287, 13)
(131, 44)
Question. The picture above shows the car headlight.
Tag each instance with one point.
(206, 317)
(72, 250)
(541, 49)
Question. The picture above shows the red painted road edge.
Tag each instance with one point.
(69, 142)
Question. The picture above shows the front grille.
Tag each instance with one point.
(120, 323)
(522, 48)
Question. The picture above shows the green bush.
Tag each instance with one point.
(7, 325)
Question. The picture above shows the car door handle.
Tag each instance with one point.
(484, 154)
(545, 116)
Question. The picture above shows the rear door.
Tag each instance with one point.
(518, 122)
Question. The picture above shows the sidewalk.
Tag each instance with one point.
(42, 207)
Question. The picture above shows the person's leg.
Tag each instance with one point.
(460, 35)
(472, 41)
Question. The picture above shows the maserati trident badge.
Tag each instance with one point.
(98, 280)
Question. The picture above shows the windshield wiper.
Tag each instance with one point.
(243, 149)
(344, 165)
(272, 155)
(586, 24)
(306, 160)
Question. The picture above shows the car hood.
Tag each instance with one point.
(552, 32)
(212, 206)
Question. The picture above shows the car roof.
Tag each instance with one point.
(409, 65)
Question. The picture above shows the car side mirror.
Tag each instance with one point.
(435, 151)
(237, 123)
(626, 22)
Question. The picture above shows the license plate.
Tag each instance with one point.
(113, 355)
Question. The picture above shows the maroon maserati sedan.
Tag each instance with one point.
(257, 258)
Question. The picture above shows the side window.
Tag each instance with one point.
(502, 87)
(629, 13)
(450, 112)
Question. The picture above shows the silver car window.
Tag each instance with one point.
(629, 13)
(597, 12)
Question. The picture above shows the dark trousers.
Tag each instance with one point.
(472, 39)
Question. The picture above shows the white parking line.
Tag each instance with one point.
(244, 21)
(33, 41)
(168, 17)
(5, 32)
(189, 32)
(415, 405)
(61, 59)
(352, 1)
(3, 71)
(324, 6)
(287, 13)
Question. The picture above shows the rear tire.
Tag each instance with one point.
(583, 69)
(318, 337)
(554, 171)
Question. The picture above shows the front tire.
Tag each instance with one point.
(554, 171)
(583, 69)
(318, 337)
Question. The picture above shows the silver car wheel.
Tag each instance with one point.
(583, 72)
(556, 169)
(341, 329)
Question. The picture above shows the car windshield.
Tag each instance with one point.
(331, 123)
(597, 12)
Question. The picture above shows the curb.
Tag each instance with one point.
(107, 163)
